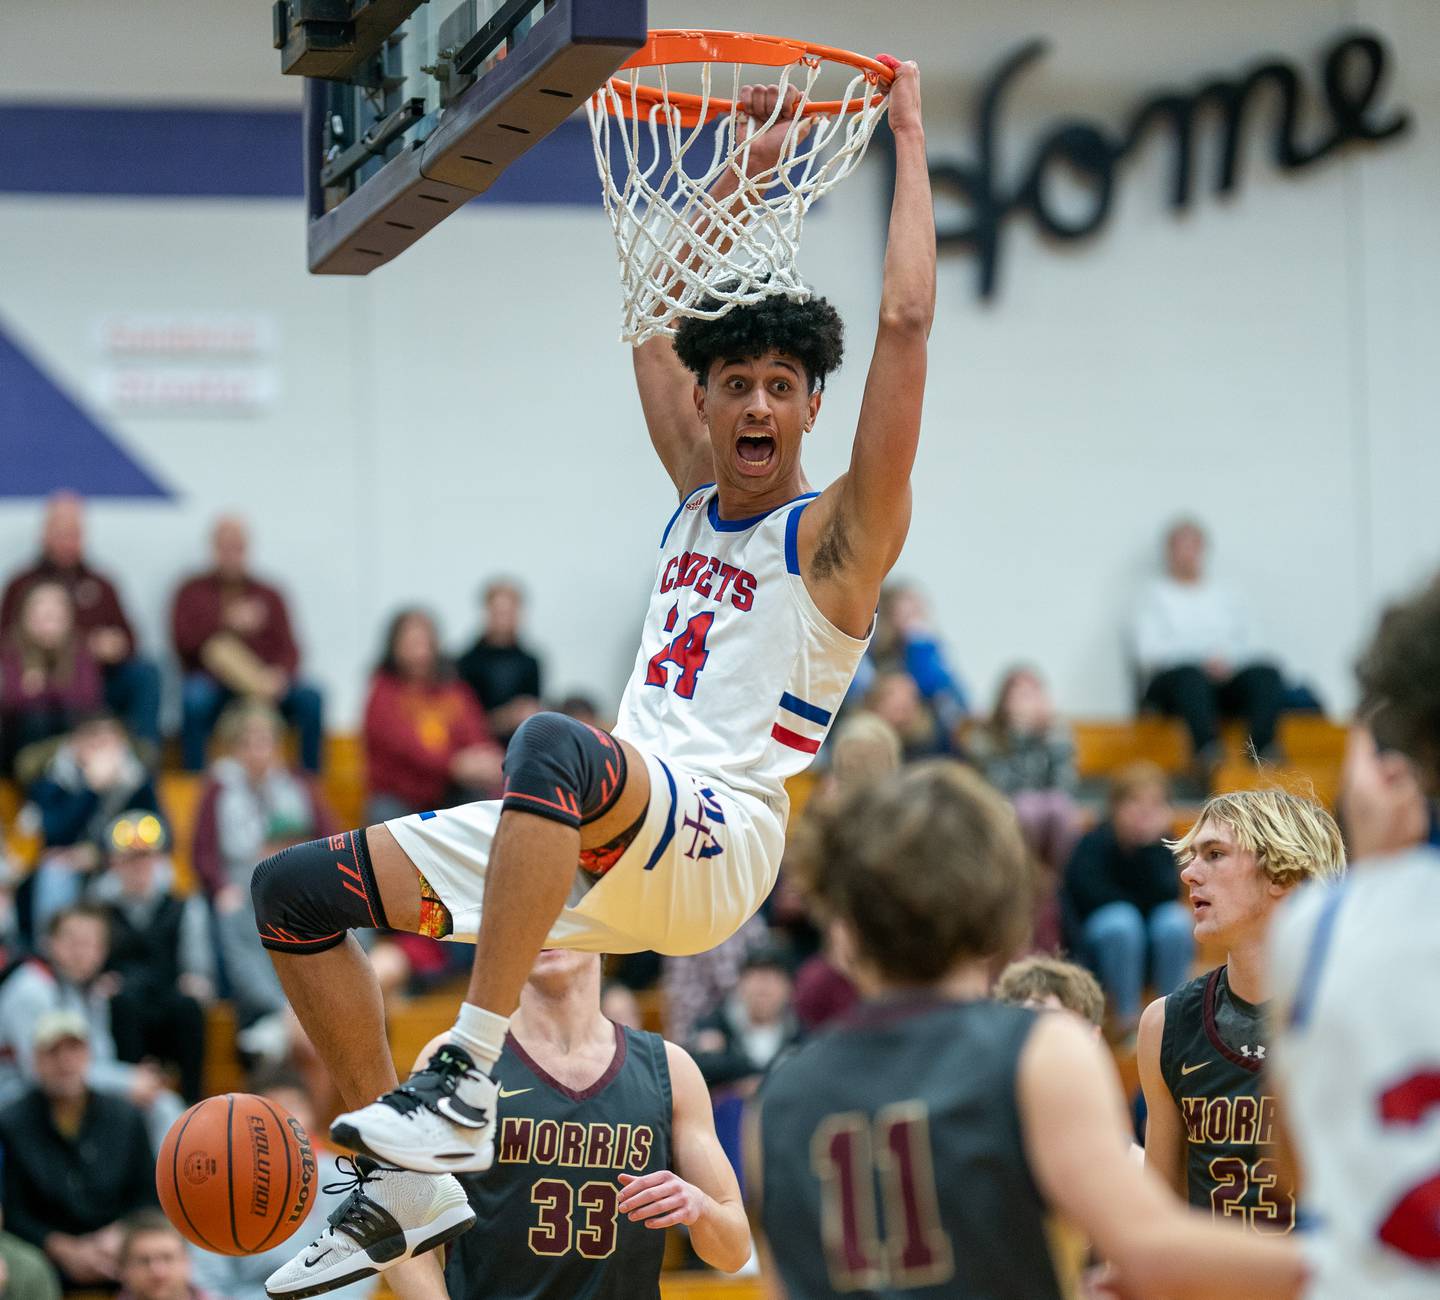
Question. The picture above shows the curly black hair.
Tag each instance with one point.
(1400, 682)
(810, 331)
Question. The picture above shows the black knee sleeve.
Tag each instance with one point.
(562, 769)
(308, 896)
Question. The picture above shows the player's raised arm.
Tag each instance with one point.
(1164, 1130)
(666, 387)
(875, 497)
(676, 433)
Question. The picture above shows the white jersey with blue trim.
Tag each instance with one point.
(1356, 1053)
(739, 674)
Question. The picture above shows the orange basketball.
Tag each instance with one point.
(236, 1174)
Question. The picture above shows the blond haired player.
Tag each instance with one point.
(1210, 1131)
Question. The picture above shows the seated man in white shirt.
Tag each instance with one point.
(1194, 647)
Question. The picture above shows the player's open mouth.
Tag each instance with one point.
(1199, 905)
(756, 451)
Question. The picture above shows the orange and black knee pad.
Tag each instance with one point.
(562, 769)
(309, 896)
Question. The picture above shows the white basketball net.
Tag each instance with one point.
(676, 244)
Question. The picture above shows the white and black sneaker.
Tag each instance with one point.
(440, 1120)
(390, 1216)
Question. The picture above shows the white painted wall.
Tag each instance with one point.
(1267, 362)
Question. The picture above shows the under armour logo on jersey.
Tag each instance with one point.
(703, 841)
(1256, 1053)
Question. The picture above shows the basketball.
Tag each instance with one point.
(236, 1174)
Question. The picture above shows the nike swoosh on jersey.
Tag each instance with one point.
(1190, 1069)
(514, 1092)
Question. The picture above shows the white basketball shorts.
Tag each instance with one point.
(703, 862)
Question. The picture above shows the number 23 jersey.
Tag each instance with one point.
(739, 674)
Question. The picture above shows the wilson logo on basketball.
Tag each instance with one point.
(307, 1170)
(199, 1167)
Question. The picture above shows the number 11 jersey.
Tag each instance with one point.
(739, 674)
(892, 1161)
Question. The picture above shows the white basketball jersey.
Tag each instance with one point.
(1356, 969)
(739, 674)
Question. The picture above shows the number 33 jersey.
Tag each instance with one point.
(739, 674)
(549, 1225)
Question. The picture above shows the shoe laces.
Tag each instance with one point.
(357, 1216)
(437, 1078)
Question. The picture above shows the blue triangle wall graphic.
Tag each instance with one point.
(47, 442)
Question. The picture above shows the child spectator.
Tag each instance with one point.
(160, 953)
(47, 676)
(426, 742)
(132, 683)
(232, 634)
(905, 641)
(94, 775)
(739, 1042)
(1049, 984)
(253, 805)
(154, 1263)
(894, 698)
(77, 1161)
(1120, 892)
(504, 674)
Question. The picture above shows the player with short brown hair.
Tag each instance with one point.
(918, 1146)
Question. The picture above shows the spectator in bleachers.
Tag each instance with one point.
(131, 683)
(93, 775)
(693, 987)
(242, 1277)
(48, 678)
(427, 744)
(76, 1160)
(895, 699)
(1120, 896)
(1194, 646)
(253, 805)
(70, 976)
(1028, 754)
(161, 955)
(25, 1273)
(502, 671)
(233, 635)
(154, 1261)
(737, 1043)
(1049, 984)
(618, 1003)
(906, 641)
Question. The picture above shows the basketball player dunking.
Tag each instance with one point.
(760, 611)
(1211, 1128)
